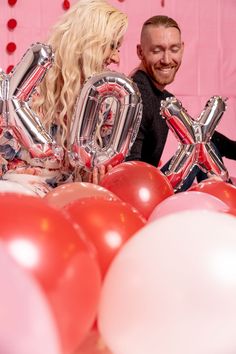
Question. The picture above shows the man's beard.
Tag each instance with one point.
(162, 79)
(158, 78)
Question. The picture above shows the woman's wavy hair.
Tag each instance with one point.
(79, 41)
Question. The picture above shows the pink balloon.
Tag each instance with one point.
(187, 201)
(67, 193)
(172, 288)
(27, 325)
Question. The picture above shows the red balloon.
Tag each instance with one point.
(106, 224)
(222, 190)
(69, 192)
(43, 241)
(139, 184)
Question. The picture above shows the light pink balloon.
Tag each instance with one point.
(26, 325)
(172, 288)
(187, 201)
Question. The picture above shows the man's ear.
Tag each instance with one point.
(139, 51)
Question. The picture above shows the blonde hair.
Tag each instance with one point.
(79, 41)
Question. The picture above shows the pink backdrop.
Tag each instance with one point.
(209, 31)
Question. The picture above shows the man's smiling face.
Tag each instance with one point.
(160, 52)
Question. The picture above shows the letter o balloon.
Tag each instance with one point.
(105, 122)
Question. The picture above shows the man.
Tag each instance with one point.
(160, 52)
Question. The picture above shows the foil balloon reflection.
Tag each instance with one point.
(16, 90)
(194, 136)
(106, 120)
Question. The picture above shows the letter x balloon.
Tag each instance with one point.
(15, 92)
(194, 136)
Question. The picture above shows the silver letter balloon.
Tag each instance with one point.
(194, 136)
(106, 120)
(15, 92)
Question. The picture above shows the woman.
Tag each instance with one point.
(85, 41)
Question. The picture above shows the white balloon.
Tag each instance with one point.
(14, 187)
(24, 183)
(172, 288)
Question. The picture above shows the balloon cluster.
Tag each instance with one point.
(120, 267)
(70, 241)
(55, 255)
(172, 286)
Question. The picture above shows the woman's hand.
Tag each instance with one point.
(98, 173)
